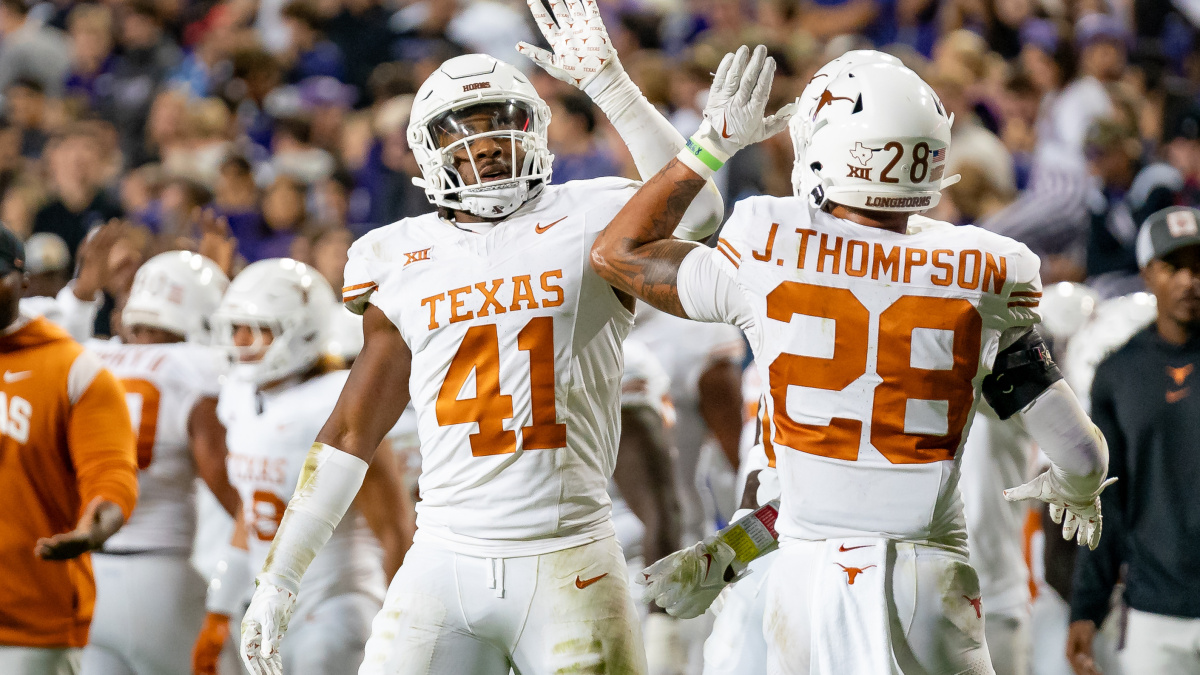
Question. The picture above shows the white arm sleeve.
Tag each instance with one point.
(1074, 445)
(708, 294)
(653, 142)
(328, 484)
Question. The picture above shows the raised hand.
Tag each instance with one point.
(216, 243)
(582, 48)
(735, 115)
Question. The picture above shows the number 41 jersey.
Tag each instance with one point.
(516, 367)
(872, 345)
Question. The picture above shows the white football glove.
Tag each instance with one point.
(582, 48)
(263, 627)
(686, 582)
(737, 102)
(1083, 521)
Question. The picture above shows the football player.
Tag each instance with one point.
(275, 317)
(488, 315)
(645, 510)
(149, 599)
(874, 337)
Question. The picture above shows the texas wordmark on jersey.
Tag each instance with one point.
(873, 345)
(516, 367)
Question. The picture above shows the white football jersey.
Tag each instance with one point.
(269, 436)
(162, 385)
(873, 346)
(516, 367)
(644, 384)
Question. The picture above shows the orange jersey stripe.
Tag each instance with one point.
(355, 287)
(722, 243)
(731, 258)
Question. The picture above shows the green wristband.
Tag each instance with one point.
(703, 155)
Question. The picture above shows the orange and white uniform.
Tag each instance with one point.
(150, 600)
(66, 440)
(516, 381)
(873, 346)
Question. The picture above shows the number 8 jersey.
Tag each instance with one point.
(516, 368)
(872, 346)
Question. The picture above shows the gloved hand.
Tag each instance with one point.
(686, 582)
(209, 644)
(1083, 521)
(263, 627)
(737, 102)
(582, 48)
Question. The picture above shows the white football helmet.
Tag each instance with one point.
(292, 300)
(176, 291)
(800, 126)
(467, 99)
(1066, 307)
(879, 139)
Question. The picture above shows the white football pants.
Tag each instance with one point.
(39, 660)
(1159, 644)
(149, 608)
(924, 608)
(736, 645)
(452, 614)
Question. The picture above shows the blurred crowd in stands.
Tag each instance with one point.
(1074, 119)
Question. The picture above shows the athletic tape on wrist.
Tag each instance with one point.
(328, 484)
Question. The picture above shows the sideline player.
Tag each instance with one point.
(276, 317)
(149, 598)
(645, 501)
(68, 480)
(874, 339)
(488, 314)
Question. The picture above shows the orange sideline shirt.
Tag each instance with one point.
(65, 438)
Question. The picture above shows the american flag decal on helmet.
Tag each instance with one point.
(938, 156)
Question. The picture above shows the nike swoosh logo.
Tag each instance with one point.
(724, 128)
(707, 563)
(539, 229)
(584, 583)
(843, 549)
(10, 376)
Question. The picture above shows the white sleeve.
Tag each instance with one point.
(1074, 445)
(708, 294)
(653, 142)
(77, 317)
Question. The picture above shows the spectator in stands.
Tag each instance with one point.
(284, 214)
(147, 56)
(329, 253)
(204, 71)
(256, 74)
(1101, 42)
(47, 265)
(236, 198)
(309, 52)
(1127, 192)
(1143, 403)
(293, 153)
(25, 106)
(68, 482)
(31, 50)
(578, 153)
(1181, 148)
(77, 203)
(390, 167)
(362, 32)
(326, 102)
(91, 34)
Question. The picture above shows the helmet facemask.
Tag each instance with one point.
(486, 158)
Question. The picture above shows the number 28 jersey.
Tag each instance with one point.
(872, 346)
(516, 367)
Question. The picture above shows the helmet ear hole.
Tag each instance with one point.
(815, 166)
(857, 105)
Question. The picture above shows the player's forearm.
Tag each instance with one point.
(1074, 445)
(721, 406)
(635, 253)
(653, 142)
(327, 486)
